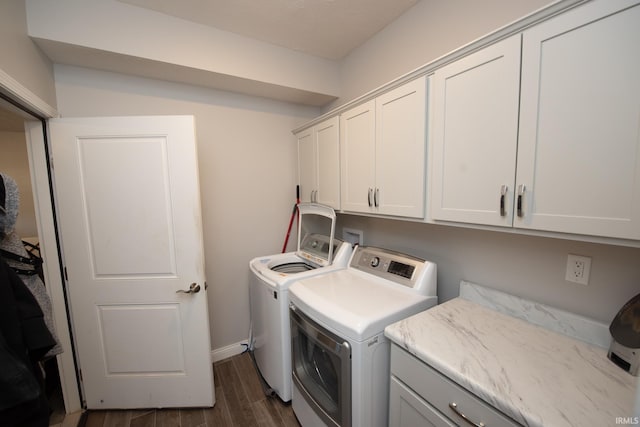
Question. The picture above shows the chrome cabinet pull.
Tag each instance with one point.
(521, 190)
(375, 197)
(193, 289)
(369, 196)
(503, 193)
(454, 407)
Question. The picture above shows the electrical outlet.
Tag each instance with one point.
(352, 236)
(578, 269)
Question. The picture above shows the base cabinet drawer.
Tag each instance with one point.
(407, 409)
(421, 391)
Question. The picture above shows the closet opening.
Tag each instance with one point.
(20, 243)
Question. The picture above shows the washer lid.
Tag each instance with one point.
(316, 220)
(268, 267)
(355, 304)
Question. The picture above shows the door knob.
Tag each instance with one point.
(193, 289)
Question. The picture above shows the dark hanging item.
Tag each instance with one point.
(625, 330)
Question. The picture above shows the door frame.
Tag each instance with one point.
(37, 149)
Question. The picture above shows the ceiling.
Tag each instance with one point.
(323, 28)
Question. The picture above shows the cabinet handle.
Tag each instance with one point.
(521, 190)
(375, 197)
(503, 193)
(314, 196)
(454, 407)
(369, 196)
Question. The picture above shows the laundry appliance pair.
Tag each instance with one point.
(318, 252)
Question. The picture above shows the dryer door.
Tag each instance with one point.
(321, 364)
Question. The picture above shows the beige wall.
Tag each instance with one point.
(526, 266)
(14, 162)
(196, 53)
(20, 58)
(247, 162)
(429, 30)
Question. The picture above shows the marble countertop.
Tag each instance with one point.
(536, 376)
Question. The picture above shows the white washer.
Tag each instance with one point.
(340, 354)
(270, 337)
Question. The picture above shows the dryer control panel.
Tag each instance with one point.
(402, 269)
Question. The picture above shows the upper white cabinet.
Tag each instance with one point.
(579, 141)
(358, 154)
(570, 161)
(474, 136)
(307, 164)
(319, 163)
(383, 151)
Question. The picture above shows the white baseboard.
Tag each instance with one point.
(228, 351)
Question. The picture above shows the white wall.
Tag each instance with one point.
(429, 30)
(20, 58)
(247, 162)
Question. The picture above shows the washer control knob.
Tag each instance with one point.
(375, 261)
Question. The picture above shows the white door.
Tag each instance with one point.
(306, 165)
(357, 159)
(327, 138)
(400, 152)
(129, 214)
(475, 136)
(579, 143)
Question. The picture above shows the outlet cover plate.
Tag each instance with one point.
(353, 236)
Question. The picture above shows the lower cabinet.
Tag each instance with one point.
(420, 395)
(407, 409)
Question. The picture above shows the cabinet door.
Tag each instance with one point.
(306, 164)
(407, 409)
(327, 138)
(401, 150)
(578, 155)
(357, 148)
(475, 135)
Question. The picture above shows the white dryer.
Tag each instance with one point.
(340, 353)
(317, 253)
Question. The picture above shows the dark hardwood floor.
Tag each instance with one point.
(240, 401)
